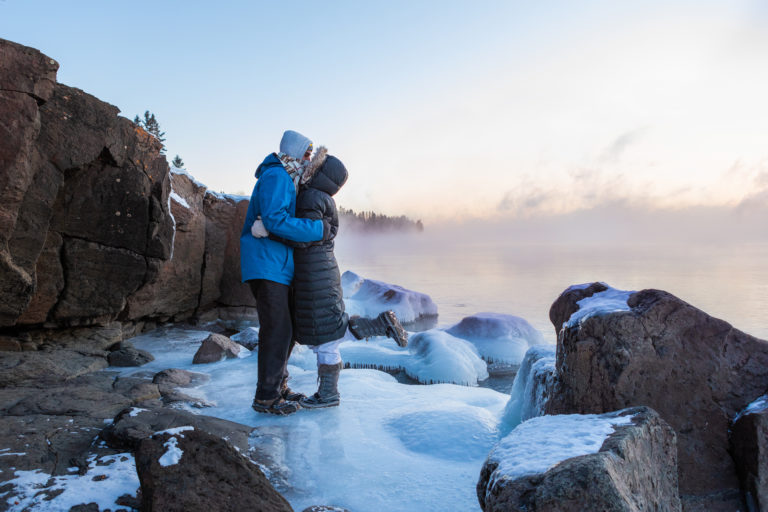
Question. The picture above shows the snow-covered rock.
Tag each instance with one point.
(367, 297)
(533, 385)
(440, 357)
(431, 357)
(498, 337)
(584, 462)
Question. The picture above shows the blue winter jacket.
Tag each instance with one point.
(274, 200)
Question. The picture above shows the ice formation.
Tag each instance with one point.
(399, 436)
(366, 297)
(528, 396)
(498, 337)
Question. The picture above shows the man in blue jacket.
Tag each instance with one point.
(267, 266)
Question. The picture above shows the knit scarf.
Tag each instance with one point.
(293, 167)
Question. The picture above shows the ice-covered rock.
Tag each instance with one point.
(533, 385)
(584, 462)
(498, 337)
(248, 337)
(366, 297)
(431, 357)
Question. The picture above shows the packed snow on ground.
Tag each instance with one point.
(388, 446)
(366, 297)
(527, 398)
(107, 478)
(540, 443)
(498, 337)
(601, 303)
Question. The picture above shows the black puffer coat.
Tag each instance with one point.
(319, 315)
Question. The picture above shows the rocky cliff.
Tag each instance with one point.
(95, 229)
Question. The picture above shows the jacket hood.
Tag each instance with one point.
(270, 161)
(325, 173)
(294, 144)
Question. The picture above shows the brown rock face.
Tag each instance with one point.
(635, 469)
(91, 214)
(209, 475)
(749, 446)
(697, 371)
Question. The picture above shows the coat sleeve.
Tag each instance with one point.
(274, 201)
(308, 206)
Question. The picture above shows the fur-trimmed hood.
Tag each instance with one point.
(324, 172)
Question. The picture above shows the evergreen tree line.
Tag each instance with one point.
(368, 221)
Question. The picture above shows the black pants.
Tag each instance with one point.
(273, 304)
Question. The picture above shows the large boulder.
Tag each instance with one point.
(749, 446)
(623, 349)
(188, 469)
(622, 461)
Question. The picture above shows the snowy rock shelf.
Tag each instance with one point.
(584, 462)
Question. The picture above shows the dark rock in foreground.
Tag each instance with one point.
(697, 371)
(749, 446)
(193, 470)
(635, 469)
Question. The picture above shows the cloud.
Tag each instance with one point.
(615, 150)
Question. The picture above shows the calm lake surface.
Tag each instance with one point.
(465, 276)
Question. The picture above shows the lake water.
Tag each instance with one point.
(466, 275)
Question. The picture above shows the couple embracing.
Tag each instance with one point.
(287, 259)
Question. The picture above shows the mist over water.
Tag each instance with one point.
(467, 269)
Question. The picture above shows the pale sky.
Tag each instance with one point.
(446, 109)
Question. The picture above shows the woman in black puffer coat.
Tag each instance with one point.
(319, 317)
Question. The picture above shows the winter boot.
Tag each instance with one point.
(386, 324)
(327, 392)
(277, 405)
(288, 394)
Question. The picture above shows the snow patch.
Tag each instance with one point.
(179, 170)
(176, 197)
(173, 453)
(176, 430)
(539, 444)
(135, 411)
(601, 303)
(116, 477)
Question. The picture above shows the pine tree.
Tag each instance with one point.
(178, 162)
(150, 124)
